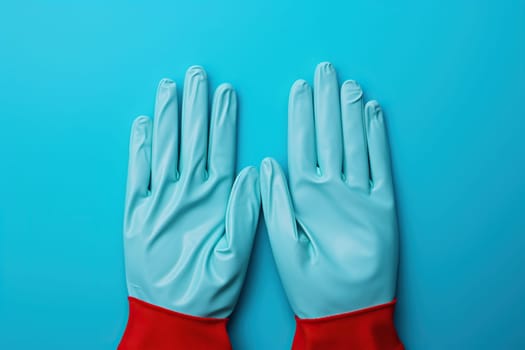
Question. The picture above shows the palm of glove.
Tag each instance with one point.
(348, 246)
(172, 242)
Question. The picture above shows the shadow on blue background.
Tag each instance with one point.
(451, 78)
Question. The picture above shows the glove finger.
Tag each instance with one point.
(355, 163)
(165, 135)
(378, 150)
(328, 120)
(278, 214)
(223, 129)
(139, 166)
(194, 124)
(242, 216)
(302, 157)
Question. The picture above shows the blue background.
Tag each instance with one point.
(450, 75)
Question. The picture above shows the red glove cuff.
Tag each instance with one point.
(151, 327)
(366, 329)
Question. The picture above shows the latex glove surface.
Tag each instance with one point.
(332, 226)
(188, 229)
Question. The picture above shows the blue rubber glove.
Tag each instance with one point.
(333, 227)
(188, 229)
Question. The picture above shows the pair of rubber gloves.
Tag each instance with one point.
(189, 227)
